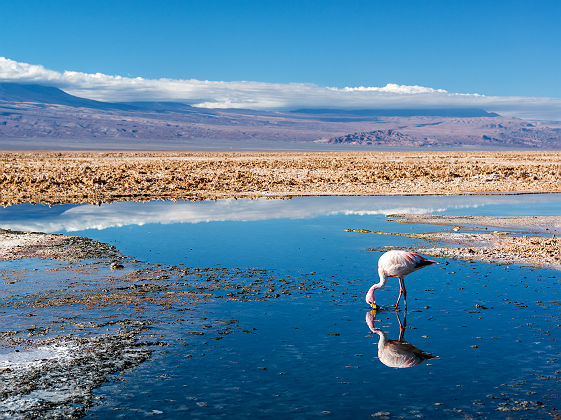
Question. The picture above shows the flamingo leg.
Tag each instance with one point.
(400, 292)
(398, 299)
(402, 286)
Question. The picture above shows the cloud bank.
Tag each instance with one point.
(261, 95)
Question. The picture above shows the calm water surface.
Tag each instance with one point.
(495, 329)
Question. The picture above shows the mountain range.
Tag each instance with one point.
(31, 111)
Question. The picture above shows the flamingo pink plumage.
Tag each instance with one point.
(396, 264)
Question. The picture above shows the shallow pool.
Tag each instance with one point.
(295, 341)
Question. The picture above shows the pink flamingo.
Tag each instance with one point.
(396, 264)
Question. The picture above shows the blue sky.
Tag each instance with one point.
(501, 48)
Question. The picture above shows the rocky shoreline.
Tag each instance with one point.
(527, 240)
(16, 245)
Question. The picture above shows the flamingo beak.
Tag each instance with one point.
(374, 306)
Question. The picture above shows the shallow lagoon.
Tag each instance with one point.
(309, 352)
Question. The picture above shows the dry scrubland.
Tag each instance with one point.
(95, 177)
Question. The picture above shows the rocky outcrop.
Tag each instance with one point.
(380, 137)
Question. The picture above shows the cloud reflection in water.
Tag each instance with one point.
(86, 216)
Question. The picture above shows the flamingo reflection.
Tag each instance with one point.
(396, 353)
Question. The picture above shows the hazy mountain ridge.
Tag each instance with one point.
(35, 111)
(33, 93)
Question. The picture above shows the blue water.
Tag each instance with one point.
(310, 353)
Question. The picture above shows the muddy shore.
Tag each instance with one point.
(15, 245)
(98, 177)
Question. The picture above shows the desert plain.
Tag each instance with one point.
(100, 177)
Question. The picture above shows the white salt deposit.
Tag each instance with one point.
(35, 357)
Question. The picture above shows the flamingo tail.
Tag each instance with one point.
(424, 262)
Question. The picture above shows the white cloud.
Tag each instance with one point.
(394, 88)
(260, 95)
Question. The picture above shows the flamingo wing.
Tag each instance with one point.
(417, 261)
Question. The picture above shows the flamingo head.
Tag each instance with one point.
(370, 299)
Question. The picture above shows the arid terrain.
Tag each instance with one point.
(96, 177)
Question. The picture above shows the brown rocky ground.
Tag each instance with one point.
(95, 177)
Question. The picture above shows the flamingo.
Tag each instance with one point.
(396, 264)
(396, 353)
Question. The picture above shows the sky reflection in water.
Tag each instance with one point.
(71, 218)
(495, 329)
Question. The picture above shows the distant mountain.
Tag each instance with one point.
(19, 92)
(160, 106)
(31, 111)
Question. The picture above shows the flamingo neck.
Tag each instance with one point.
(370, 298)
